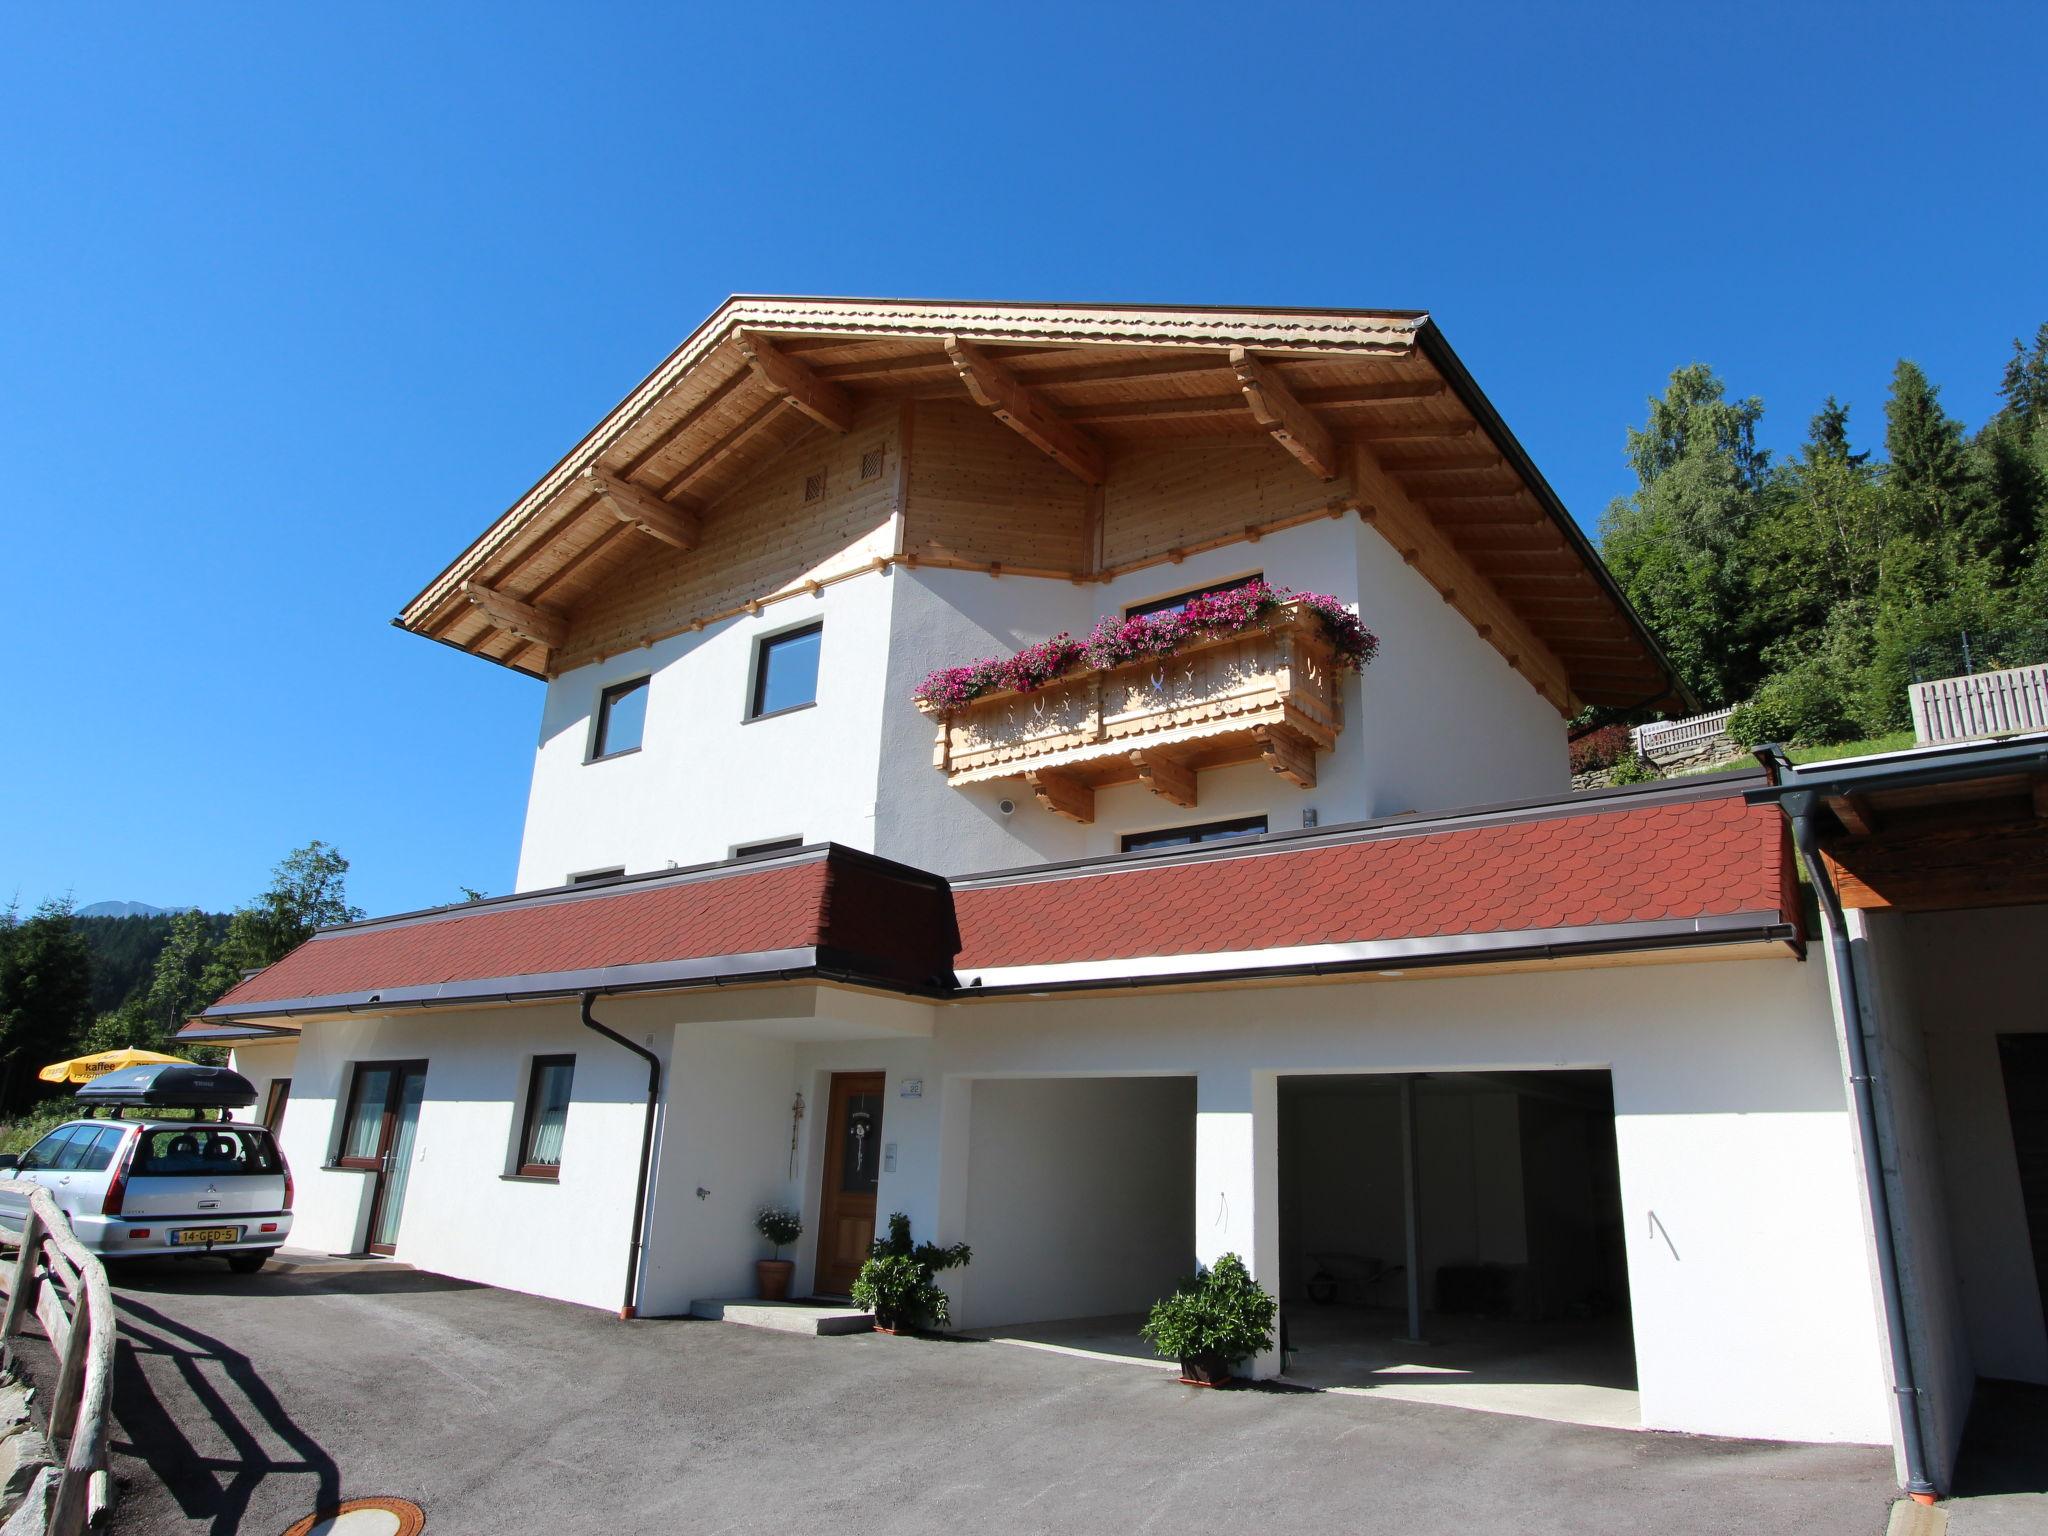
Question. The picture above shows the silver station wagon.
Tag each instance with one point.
(156, 1187)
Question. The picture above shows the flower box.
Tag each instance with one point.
(1268, 692)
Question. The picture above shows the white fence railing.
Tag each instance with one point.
(1982, 704)
(64, 1287)
(1673, 738)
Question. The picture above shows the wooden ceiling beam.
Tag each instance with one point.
(717, 396)
(884, 367)
(727, 445)
(1416, 538)
(1131, 370)
(1030, 417)
(820, 399)
(1293, 426)
(537, 625)
(678, 523)
(1414, 432)
(1854, 813)
(1462, 464)
(1156, 410)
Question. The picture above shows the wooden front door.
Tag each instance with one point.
(853, 1168)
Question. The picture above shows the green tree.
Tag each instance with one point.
(308, 891)
(1679, 545)
(45, 997)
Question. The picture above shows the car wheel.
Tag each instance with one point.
(247, 1263)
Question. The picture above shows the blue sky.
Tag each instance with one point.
(294, 300)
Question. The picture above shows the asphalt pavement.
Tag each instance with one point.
(245, 1403)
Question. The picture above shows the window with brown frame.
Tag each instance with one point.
(547, 1117)
(273, 1105)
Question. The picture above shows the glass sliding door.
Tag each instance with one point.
(378, 1132)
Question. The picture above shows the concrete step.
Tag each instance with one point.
(812, 1317)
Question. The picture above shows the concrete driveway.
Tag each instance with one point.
(244, 1404)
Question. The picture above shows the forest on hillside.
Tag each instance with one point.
(74, 985)
(1812, 591)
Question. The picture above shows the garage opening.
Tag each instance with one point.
(1080, 1205)
(1457, 1238)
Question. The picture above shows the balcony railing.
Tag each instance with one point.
(1268, 694)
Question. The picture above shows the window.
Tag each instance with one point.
(273, 1105)
(621, 719)
(209, 1151)
(1182, 599)
(45, 1153)
(763, 849)
(592, 876)
(547, 1117)
(786, 671)
(1207, 832)
(92, 1151)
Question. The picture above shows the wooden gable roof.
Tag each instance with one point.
(1371, 403)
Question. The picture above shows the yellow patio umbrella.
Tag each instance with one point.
(83, 1069)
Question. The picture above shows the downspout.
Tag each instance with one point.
(637, 1242)
(1801, 806)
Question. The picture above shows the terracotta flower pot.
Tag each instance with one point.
(1205, 1371)
(772, 1276)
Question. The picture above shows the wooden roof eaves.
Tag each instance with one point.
(1307, 332)
(1431, 343)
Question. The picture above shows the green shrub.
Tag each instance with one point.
(18, 1136)
(1807, 702)
(896, 1282)
(1631, 769)
(1219, 1314)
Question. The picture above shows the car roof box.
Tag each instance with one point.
(170, 1085)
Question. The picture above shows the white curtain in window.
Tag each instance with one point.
(550, 1113)
(366, 1118)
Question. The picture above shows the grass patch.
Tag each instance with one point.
(1896, 741)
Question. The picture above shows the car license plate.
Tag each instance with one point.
(186, 1235)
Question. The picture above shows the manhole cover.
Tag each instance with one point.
(364, 1517)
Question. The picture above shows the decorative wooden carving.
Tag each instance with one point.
(1027, 415)
(820, 399)
(1063, 794)
(1293, 425)
(537, 625)
(1166, 776)
(674, 522)
(1288, 753)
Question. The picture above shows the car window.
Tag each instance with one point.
(212, 1150)
(44, 1154)
(96, 1151)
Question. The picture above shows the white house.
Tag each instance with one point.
(1268, 942)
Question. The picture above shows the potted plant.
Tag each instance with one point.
(781, 1228)
(896, 1281)
(1212, 1321)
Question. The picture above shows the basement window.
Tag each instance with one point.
(786, 671)
(1204, 832)
(1182, 599)
(621, 719)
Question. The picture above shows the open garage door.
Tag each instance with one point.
(1080, 1199)
(1457, 1238)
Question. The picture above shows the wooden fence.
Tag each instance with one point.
(1679, 738)
(1982, 704)
(65, 1287)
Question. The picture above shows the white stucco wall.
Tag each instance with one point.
(263, 1064)
(1752, 1303)
(1080, 1197)
(462, 1217)
(706, 778)
(1439, 720)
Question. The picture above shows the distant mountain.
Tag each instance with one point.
(127, 909)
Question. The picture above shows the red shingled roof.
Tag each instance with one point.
(1694, 858)
(835, 907)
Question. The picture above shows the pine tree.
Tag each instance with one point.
(45, 997)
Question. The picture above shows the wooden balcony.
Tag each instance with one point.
(1267, 695)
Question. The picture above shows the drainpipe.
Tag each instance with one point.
(1802, 806)
(637, 1242)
